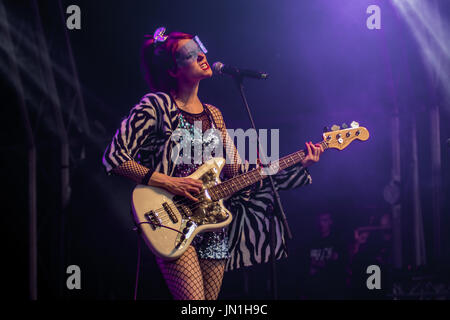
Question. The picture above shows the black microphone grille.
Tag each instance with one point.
(217, 67)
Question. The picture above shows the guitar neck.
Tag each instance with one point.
(233, 185)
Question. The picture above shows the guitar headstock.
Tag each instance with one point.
(340, 138)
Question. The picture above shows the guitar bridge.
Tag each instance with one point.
(153, 218)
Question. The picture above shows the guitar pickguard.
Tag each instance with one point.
(205, 211)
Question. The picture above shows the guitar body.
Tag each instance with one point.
(169, 223)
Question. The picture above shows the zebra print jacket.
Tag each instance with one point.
(144, 136)
(248, 234)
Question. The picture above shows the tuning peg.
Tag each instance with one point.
(326, 129)
(354, 124)
(335, 127)
(344, 126)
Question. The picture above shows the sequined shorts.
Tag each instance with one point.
(212, 245)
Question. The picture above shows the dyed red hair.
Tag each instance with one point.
(158, 58)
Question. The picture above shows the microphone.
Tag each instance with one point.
(220, 68)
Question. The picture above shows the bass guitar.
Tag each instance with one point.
(170, 222)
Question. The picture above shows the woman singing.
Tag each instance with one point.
(141, 150)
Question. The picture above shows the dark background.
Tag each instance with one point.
(325, 68)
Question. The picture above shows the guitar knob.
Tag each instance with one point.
(326, 129)
(344, 126)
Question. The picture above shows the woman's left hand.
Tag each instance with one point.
(314, 152)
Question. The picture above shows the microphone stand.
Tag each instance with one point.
(279, 208)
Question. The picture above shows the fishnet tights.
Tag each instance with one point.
(191, 278)
(212, 271)
(132, 170)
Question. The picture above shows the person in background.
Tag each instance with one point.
(326, 279)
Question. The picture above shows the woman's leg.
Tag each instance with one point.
(183, 276)
(212, 270)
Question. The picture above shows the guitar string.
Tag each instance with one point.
(185, 201)
(240, 185)
(195, 205)
(300, 154)
(250, 174)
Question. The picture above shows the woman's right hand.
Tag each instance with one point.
(186, 187)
